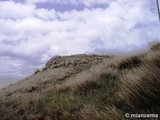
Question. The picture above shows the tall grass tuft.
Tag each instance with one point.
(129, 62)
(141, 89)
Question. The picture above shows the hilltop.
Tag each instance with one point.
(86, 87)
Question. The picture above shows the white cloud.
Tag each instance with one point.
(33, 35)
(73, 2)
(10, 9)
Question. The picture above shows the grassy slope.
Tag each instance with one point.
(105, 89)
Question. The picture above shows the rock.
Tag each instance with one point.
(64, 61)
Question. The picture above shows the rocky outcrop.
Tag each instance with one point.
(65, 61)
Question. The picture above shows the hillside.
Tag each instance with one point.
(86, 87)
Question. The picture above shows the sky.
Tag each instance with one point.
(33, 31)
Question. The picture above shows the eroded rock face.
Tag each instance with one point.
(59, 61)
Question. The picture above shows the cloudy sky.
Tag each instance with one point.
(33, 31)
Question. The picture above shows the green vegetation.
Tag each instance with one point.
(101, 90)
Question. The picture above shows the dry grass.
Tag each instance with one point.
(155, 46)
(153, 59)
(129, 62)
(141, 87)
(105, 89)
